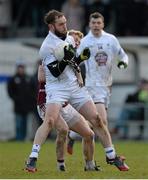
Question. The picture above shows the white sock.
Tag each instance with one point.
(110, 152)
(60, 163)
(35, 151)
(90, 165)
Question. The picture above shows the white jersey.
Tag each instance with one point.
(104, 49)
(46, 52)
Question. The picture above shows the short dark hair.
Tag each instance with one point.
(96, 15)
(51, 16)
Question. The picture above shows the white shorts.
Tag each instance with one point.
(73, 94)
(100, 94)
(68, 113)
(41, 110)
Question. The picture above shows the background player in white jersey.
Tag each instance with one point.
(61, 82)
(105, 49)
(75, 122)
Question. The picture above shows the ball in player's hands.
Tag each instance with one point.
(59, 50)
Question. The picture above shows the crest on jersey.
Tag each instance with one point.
(101, 58)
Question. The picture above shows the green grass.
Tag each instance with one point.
(13, 155)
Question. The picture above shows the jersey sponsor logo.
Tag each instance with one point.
(101, 58)
(54, 65)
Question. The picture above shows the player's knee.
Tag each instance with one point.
(104, 120)
(94, 119)
(50, 121)
(92, 135)
(89, 136)
(63, 131)
(61, 135)
(97, 122)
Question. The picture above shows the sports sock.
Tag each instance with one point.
(35, 151)
(60, 163)
(110, 152)
(90, 164)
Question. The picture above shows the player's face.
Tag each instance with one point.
(96, 25)
(60, 27)
(21, 70)
(77, 40)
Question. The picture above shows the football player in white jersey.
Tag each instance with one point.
(62, 85)
(104, 49)
(74, 120)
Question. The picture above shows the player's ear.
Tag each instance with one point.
(102, 25)
(50, 26)
(89, 24)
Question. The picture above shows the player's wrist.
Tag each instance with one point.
(83, 58)
(122, 65)
(64, 61)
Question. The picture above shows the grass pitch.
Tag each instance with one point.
(13, 155)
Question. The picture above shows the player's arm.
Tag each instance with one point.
(122, 58)
(41, 74)
(80, 79)
(123, 62)
(57, 67)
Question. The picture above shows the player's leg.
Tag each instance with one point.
(83, 129)
(101, 130)
(110, 152)
(51, 114)
(111, 158)
(88, 110)
(102, 100)
(101, 109)
(62, 130)
(72, 136)
(82, 101)
(84, 104)
(78, 124)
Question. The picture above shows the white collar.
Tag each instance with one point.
(91, 34)
(53, 35)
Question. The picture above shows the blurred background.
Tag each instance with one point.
(21, 33)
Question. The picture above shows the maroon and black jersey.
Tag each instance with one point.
(41, 98)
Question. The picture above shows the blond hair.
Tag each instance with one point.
(74, 32)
